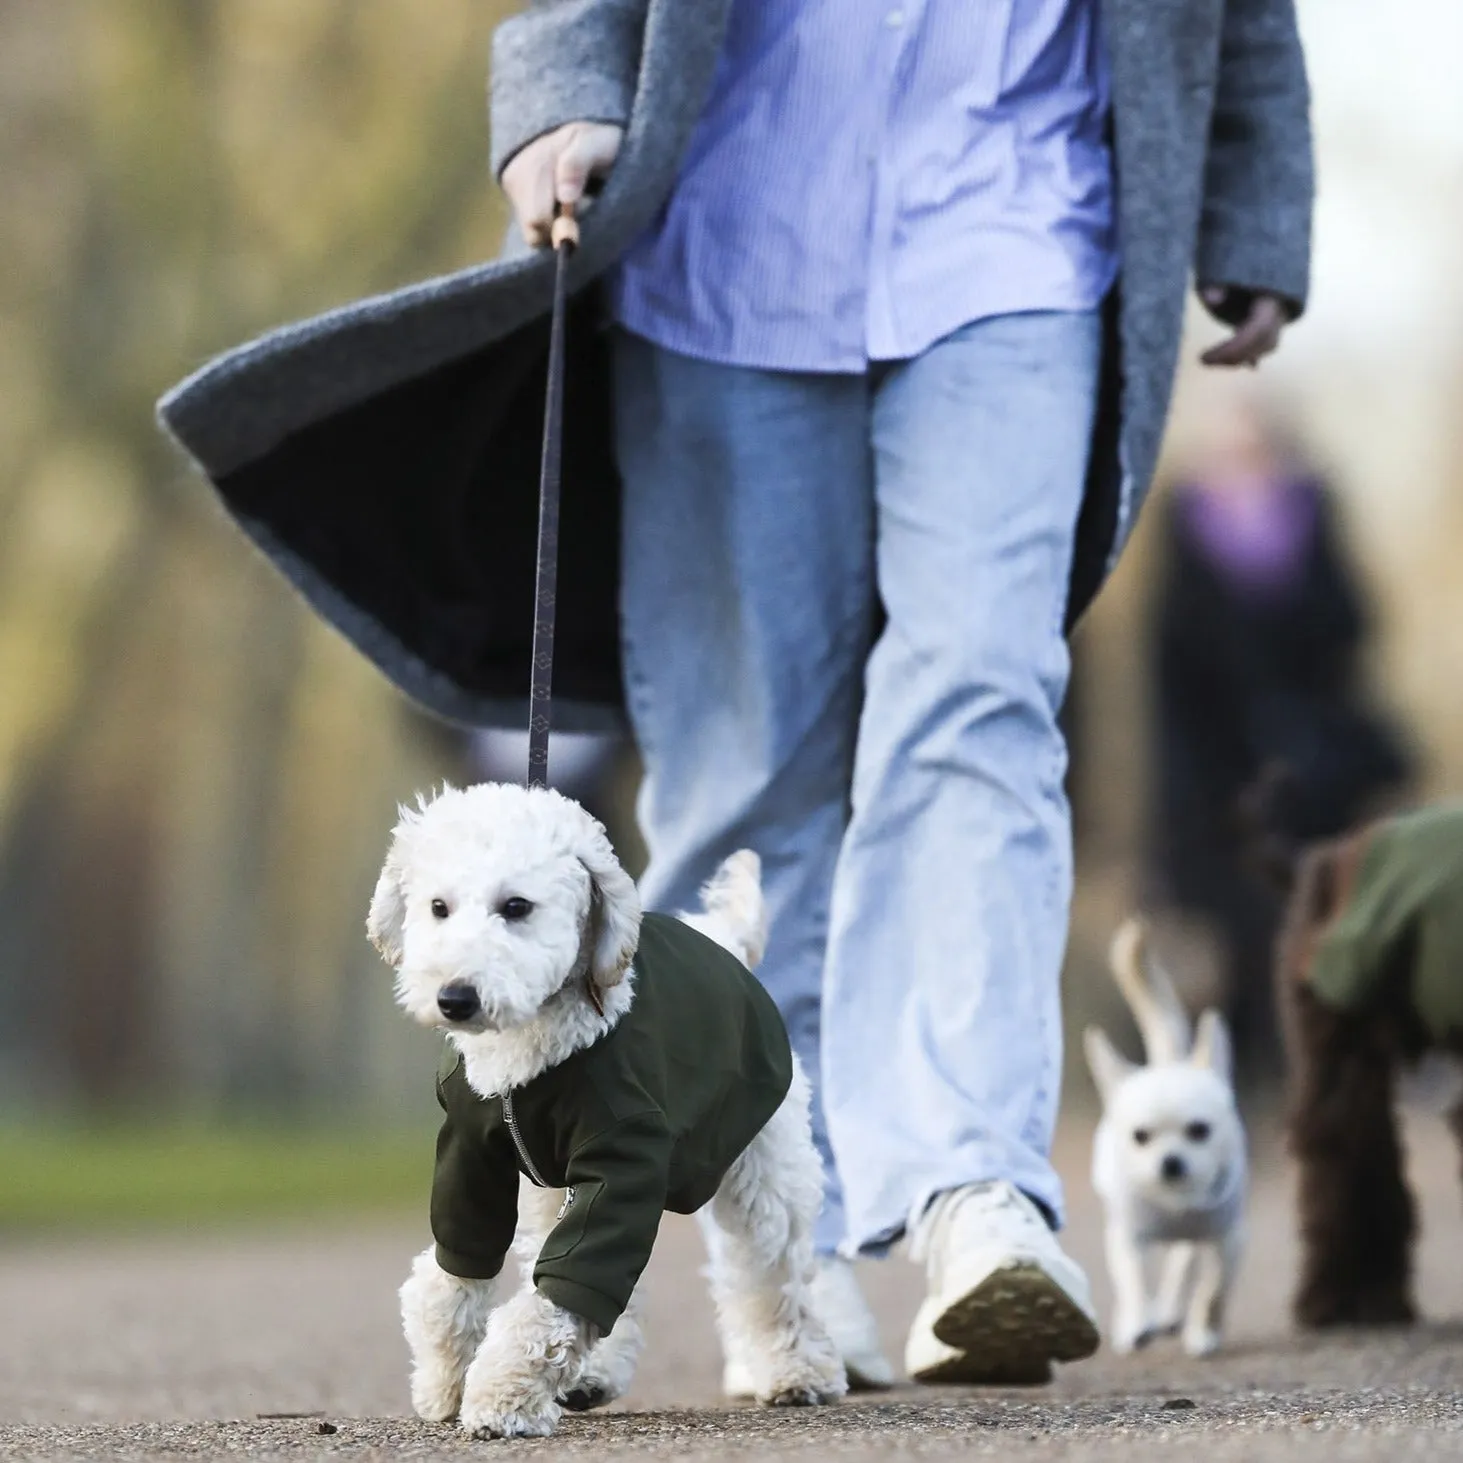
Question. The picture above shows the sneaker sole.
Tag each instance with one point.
(1009, 1330)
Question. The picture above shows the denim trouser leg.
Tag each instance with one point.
(746, 610)
(759, 507)
(942, 1019)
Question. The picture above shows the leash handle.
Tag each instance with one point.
(565, 239)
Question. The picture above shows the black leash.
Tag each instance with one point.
(565, 237)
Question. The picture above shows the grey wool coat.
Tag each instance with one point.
(384, 455)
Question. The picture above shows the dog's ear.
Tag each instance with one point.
(1109, 1067)
(616, 912)
(1211, 1046)
(387, 915)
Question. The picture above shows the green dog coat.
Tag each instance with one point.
(647, 1119)
(1403, 919)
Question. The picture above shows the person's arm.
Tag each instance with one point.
(1253, 258)
(562, 87)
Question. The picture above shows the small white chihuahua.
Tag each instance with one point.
(1168, 1161)
(612, 1065)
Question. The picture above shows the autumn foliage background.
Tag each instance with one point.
(197, 779)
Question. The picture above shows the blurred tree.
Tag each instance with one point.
(195, 779)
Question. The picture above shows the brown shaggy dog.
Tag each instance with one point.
(1357, 1218)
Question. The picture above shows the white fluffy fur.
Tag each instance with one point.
(1168, 1161)
(507, 1367)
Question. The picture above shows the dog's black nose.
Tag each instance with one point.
(458, 1002)
(1173, 1168)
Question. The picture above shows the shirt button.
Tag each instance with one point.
(894, 19)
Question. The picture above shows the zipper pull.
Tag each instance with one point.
(564, 1207)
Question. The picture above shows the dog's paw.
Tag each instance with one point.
(1200, 1340)
(804, 1395)
(802, 1388)
(607, 1374)
(435, 1395)
(1130, 1336)
(586, 1396)
(494, 1421)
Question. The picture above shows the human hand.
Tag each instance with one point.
(1257, 319)
(556, 168)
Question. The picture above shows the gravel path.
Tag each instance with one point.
(183, 1346)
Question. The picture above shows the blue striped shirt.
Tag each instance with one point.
(870, 175)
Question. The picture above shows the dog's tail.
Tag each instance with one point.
(734, 911)
(1162, 1021)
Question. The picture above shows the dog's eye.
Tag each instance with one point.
(1197, 1132)
(1141, 1136)
(515, 908)
(439, 909)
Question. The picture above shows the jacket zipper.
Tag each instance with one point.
(534, 1175)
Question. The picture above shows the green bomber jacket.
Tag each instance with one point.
(647, 1119)
(1402, 920)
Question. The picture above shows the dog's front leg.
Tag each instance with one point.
(609, 1368)
(1130, 1328)
(444, 1319)
(1173, 1289)
(531, 1353)
(1214, 1272)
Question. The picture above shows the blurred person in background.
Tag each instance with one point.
(1259, 630)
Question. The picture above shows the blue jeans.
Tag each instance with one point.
(900, 775)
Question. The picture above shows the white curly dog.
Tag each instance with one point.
(540, 989)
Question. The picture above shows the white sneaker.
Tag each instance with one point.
(841, 1307)
(1004, 1302)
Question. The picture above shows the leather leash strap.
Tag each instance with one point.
(565, 238)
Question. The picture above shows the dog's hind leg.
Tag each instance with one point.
(444, 1319)
(759, 1232)
(1215, 1265)
(1130, 1328)
(609, 1369)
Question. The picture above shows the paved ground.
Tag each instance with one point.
(181, 1347)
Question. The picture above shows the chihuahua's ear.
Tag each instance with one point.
(1109, 1067)
(1212, 1049)
(616, 908)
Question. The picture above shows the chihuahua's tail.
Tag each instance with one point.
(1162, 1021)
(733, 910)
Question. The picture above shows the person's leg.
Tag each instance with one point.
(942, 1021)
(747, 612)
